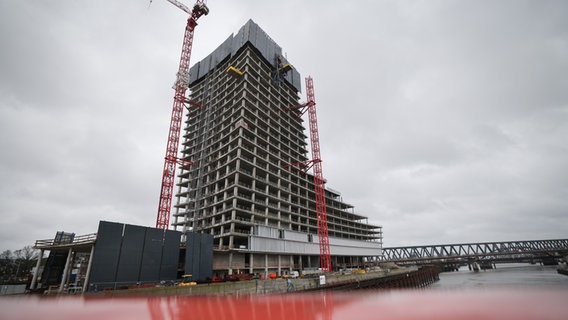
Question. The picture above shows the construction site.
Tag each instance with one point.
(241, 197)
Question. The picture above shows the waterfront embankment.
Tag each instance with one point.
(409, 277)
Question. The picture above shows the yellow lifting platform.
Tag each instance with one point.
(285, 68)
(234, 71)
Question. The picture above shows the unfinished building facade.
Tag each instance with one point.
(237, 183)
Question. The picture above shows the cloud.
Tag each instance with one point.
(443, 121)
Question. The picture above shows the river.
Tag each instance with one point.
(511, 291)
(504, 276)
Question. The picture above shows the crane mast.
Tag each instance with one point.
(180, 87)
(325, 257)
(315, 163)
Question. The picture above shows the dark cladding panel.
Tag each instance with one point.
(192, 255)
(238, 41)
(107, 251)
(152, 255)
(127, 254)
(294, 78)
(194, 73)
(131, 254)
(206, 264)
(222, 51)
(252, 33)
(205, 66)
(170, 255)
(199, 255)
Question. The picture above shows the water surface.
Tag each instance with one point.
(505, 276)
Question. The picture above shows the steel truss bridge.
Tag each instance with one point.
(508, 251)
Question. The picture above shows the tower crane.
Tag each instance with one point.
(315, 163)
(180, 87)
(325, 256)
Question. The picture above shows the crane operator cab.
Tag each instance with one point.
(201, 7)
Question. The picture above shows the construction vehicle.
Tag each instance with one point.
(187, 280)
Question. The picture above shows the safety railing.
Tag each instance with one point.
(82, 239)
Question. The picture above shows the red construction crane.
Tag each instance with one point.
(325, 257)
(182, 82)
(315, 162)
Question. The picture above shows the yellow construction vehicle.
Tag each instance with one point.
(186, 280)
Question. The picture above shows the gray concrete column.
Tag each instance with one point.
(265, 265)
(230, 262)
(66, 269)
(89, 265)
(221, 240)
(251, 263)
(231, 238)
(279, 266)
(38, 264)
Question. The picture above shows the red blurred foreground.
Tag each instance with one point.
(360, 305)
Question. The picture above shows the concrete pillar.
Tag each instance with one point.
(266, 265)
(36, 272)
(291, 263)
(251, 264)
(88, 274)
(232, 238)
(279, 266)
(230, 263)
(66, 269)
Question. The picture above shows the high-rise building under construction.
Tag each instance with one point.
(237, 182)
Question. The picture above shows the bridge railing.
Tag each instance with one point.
(454, 251)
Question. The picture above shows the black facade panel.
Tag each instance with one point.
(189, 253)
(170, 255)
(252, 34)
(193, 252)
(206, 263)
(106, 255)
(131, 254)
(126, 254)
(196, 246)
(199, 256)
(53, 269)
(152, 255)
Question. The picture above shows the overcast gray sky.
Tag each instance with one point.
(442, 121)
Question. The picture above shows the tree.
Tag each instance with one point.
(7, 254)
(6, 265)
(17, 266)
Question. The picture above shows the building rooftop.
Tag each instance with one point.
(249, 33)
